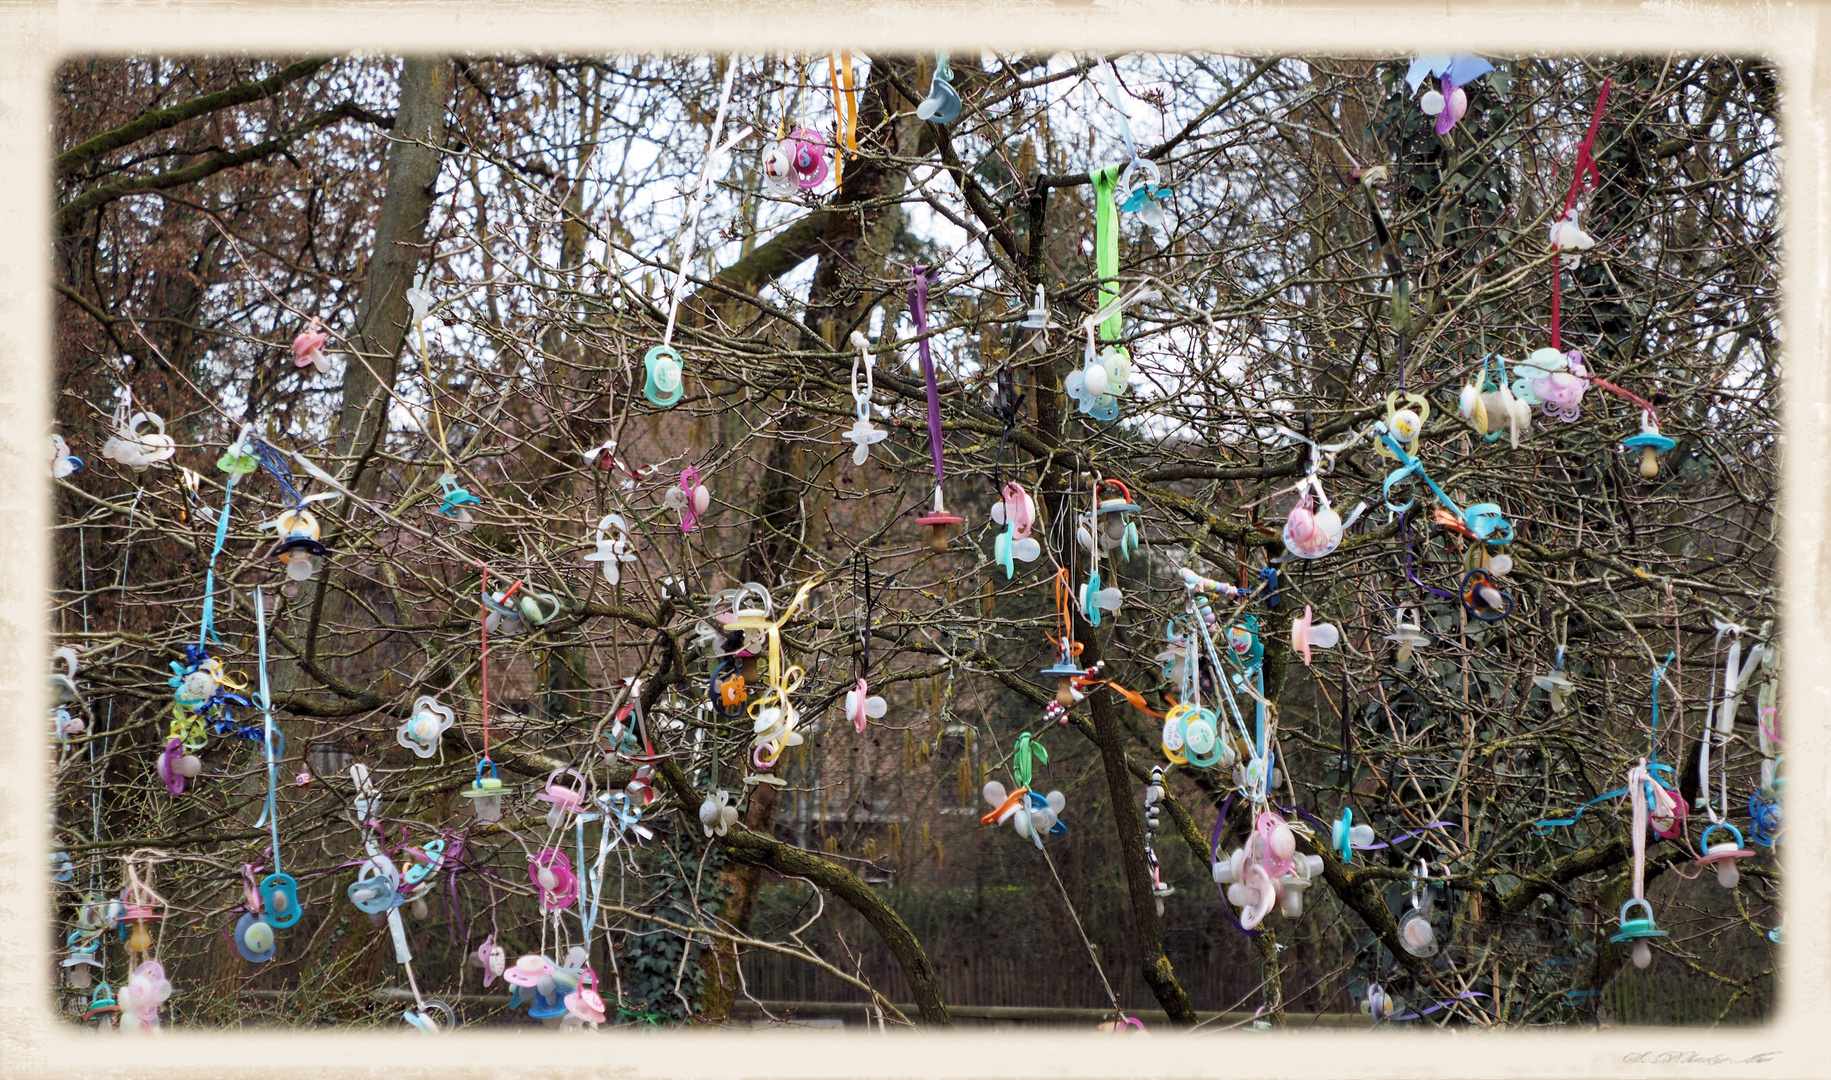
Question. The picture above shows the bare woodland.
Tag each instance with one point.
(1323, 249)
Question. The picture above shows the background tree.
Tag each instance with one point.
(208, 208)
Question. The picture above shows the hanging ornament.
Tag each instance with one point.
(1031, 814)
(1307, 634)
(63, 462)
(1416, 934)
(1016, 511)
(716, 814)
(689, 500)
(614, 547)
(1556, 684)
(863, 432)
(485, 794)
(421, 731)
(308, 348)
(1310, 533)
(942, 105)
(1650, 443)
(1447, 100)
(1408, 633)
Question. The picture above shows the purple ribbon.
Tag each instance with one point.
(918, 306)
(1214, 855)
(1439, 1005)
(1409, 574)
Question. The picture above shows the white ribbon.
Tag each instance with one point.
(714, 151)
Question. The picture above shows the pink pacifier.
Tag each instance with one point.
(565, 800)
(1310, 533)
(552, 871)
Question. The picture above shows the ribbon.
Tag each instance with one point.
(206, 627)
(1587, 176)
(1106, 249)
(689, 234)
(1021, 759)
(1484, 520)
(924, 276)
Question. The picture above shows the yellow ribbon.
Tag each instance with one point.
(780, 683)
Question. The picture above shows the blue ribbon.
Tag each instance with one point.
(206, 629)
(1483, 519)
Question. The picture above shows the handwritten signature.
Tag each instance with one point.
(1686, 1057)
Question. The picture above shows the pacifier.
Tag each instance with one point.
(298, 544)
(1094, 599)
(1723, 854)
(778, 169)
(862, 706)
(280, 896)
(938, 521)
(147, 989)
(1566, 236)
(431, 855)
(689, 500)
(1638, 931)
(663, 385)
(1408, 635)
(63, 462)
(1306, 635)
(453, 500)
(552, 871)
(308, 348)
(175, 766)
(1144, 198)
(942, 105)
(716, 814)
(564, 800)
(485, 793)
(1114, 530)
(537, 608)
(863, 432)
(433, 1017)
(136, 450)
(63, 683)
(504, 617)
(807, 157)
(585, 1002)
(1556, 684)
(420, 732)
(1311, 533)
(76, 966)
(1482, 597)
(1345, 835)
(1416, 935)
(1405, 424)
(239, 458)
(1650, 443)
(491, 959)
(1016, 511)
(254, 938)
(614, 547)
(376, 890)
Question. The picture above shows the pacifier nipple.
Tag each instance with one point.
(1641, 954)
(300, 567)
(547, 880)
(189, 766)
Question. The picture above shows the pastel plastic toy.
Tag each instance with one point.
(938, 522)
(863, 706)
(689, 500)
(376, 889)
(1408, 633)
(1310, 533)
(552, 871)
(563, 801)
(63, 462)
(254, 938)
(716, 814)
(863, 433)
(663, 384)
(807, 158)
(420, 732)
(136, 449)
(1108, 523)
(1306, 634)
(614, 547)
(1446, 100)
(299, 543)
(1416, 934)
(585, 1002)
(1724, 854)
(308, 348)
(1650, 443)
(1016, 511)
(1144, 197)
(485, 793)
(146, 990)
(454, 501)
(942, 105)
(1568, 238)
(1345, 835)
(1637, 931)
